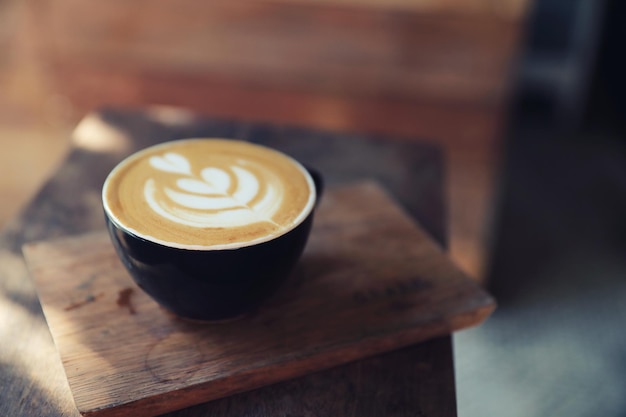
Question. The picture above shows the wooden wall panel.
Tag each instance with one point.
(430, 55)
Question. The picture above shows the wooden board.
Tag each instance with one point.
(370, 280)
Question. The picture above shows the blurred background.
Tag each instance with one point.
(433, 70)
(526, 97)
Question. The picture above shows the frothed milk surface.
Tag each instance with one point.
(208, 193)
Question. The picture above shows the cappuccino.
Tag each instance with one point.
(208, 194)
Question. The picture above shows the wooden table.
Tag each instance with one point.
(415, 381)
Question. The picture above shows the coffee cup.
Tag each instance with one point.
(210, 228)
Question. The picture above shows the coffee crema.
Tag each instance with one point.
(208, 194)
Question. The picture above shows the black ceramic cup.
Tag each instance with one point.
(210, 283)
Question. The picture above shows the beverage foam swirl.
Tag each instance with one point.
(208, 193)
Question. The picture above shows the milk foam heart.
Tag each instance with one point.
(208, 193)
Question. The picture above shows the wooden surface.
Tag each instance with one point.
(370, 281)
(348, 48)
(411, 381)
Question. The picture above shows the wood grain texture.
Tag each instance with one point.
(370, 280)
(430, 53)
(502, 8)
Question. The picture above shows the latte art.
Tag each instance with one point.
(218, 197)
(208, 193)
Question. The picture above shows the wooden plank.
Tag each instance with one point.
(371, 280)
(513, 9)
(315, 47)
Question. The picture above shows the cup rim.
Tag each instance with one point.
(304, 214)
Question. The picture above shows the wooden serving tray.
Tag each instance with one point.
(370, 280)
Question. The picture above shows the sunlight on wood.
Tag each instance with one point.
(15, 319)
(169, 115)
(95, 135)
